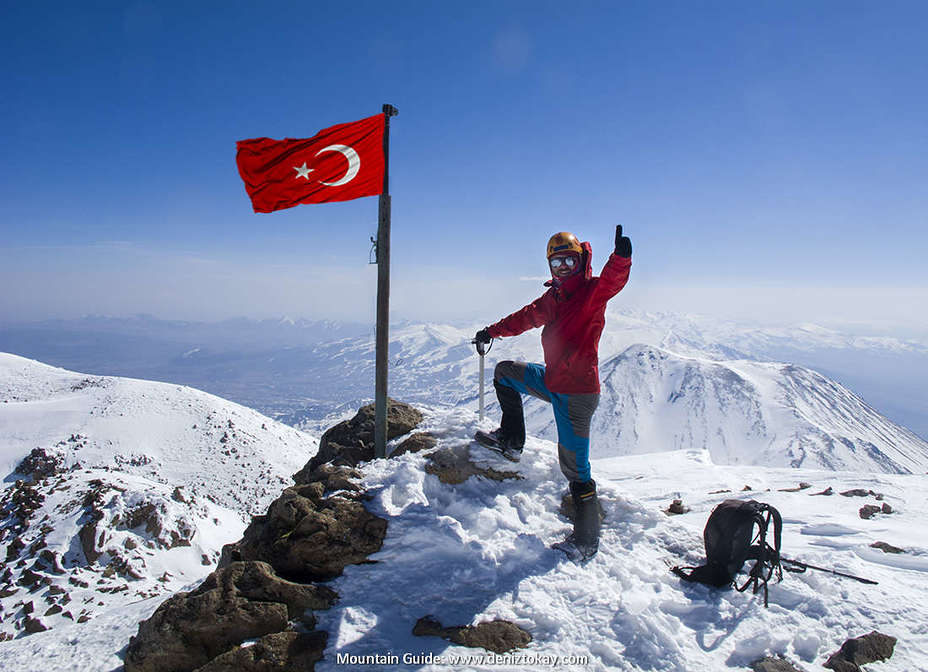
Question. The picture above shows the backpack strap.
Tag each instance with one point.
(767, 557)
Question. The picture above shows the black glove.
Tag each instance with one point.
(623, 245)
(483, 336)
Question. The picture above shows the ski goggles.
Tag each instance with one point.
(557, 262)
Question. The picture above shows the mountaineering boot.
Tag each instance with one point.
(586, 522)
(509, 439)
(499, 442)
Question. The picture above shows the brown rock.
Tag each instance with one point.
(802, 486)
(32, 579)
(860, 651)
(676, 508)
(453, 465)
(280, 652)
(416, 443)
(257, 582)
(886, 548)
(38, 465)
(352, 441)
(33, 625)
(886, 508)
(868, 510)
(190, 629)
(827, 492)
(770, 664)
(856, 492)
(88, 539)
(333, 478)
(51, 561)
(498, 636)
(307, 538)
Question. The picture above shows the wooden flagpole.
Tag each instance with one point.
(383, 296)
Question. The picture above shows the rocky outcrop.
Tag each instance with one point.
(498, 636)
(332, 477)
(352, 441)
(267, 584)
(243, 601)
(272, 653)
(308, 537)
(860, 492)
(256, 581)
(454, 465)
(886, 548)
(859, 651)
(867, 511)
(414, 444)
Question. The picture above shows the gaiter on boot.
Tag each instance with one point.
(512, 424)
(586, 523)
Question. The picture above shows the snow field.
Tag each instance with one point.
(480, 550)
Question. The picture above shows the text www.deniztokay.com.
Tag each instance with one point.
(486, 659)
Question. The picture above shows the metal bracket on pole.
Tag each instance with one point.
(383, 296)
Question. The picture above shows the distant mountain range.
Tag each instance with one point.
(301, 371)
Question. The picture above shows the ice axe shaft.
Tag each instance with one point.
(804, 567)
(482, 350)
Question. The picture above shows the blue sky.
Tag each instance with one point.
(768, 159)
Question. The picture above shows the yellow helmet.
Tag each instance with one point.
(563, 242)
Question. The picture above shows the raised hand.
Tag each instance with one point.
(623, 244)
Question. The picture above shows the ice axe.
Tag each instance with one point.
(482, 350)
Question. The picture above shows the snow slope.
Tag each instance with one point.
(479, 550)
(130, 488)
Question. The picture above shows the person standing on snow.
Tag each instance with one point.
(572, 312)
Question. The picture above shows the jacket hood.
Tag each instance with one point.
(586, 262)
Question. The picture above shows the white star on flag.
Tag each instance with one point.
(302, 171)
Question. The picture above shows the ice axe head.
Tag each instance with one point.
(482, 348)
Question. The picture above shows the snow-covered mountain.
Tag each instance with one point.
(739, 412)
(117, 490)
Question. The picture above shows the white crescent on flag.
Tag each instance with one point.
(354, 163)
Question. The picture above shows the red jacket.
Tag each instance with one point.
(573, 314)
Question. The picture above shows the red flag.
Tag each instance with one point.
(337, 164)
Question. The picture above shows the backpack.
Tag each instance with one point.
(731, 540)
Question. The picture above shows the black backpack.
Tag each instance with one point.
(731, 539)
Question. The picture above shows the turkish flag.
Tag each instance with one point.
(337, 164)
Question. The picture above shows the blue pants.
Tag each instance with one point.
(572, 414)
